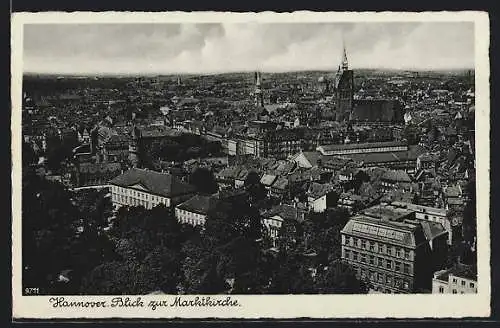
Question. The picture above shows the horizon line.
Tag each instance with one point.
(111, 74)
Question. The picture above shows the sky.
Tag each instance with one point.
(234, 47)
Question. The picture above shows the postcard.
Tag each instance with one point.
(250, 165)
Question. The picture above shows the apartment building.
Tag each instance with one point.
(392, 250)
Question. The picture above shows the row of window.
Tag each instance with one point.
(365, 150)
(463, 282)
(135, 193)
(136, 201)
(377, 261)
(192, 221)
(383, 278)
(378, 247)
(454, 291)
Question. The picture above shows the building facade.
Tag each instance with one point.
(195, 210)
(343, 90)
(392, 250)
(460, 279)
(137, 187)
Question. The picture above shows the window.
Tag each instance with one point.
(463, 282)
(380, 261)
(372, 260)
(351, 241)
(372, 275)
(388, 250)
(380, 248)
(380, 278)
(397, 266)
(388, 280)
(363, 244)
(398, 252)
(372, 246)
(388, 264)
(441, 289)
(406, 268)
(471, 285)
(355, 256)
(454, 280)
(406, 285)
(363, 258)
(454, 291)
(356, 242)
(347, 254)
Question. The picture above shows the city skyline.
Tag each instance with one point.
(160, 49)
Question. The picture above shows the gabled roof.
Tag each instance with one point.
(280, 183)
(317, 190)
(396, 176)
(267, 179)
(162, 184)
(286, 212)
(199, 204)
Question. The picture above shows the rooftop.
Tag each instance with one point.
(388, 212)
(162, 184)
(364, 145)
(459, 270)
(199, 204)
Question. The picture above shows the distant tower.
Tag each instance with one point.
(179, 80)
(259, 97)
(345, 63)
(344, 90)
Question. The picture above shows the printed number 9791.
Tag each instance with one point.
(32, 291)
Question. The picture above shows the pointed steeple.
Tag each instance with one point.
(345, 64)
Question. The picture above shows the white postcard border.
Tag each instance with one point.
(269, 306)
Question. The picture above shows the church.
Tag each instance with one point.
(346, 108)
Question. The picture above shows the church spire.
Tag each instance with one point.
(345, 64)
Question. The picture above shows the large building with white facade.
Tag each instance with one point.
(461, 279)
(139, 187)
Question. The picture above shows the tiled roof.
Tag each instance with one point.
(286, 212)
(464, 271)
(317, 190)
(396, 176)
(158, 132)
(162, 184)
(267, 179)
(199, 204)
(364, 145)
(280, 183)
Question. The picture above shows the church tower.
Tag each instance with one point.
(344, 90)
(259, 97)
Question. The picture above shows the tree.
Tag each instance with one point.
(291, 275)
(51, 243)
(204, 181)
(469, 225)
(28, 154)
(322, 234)
(339, 278)
(256, 190)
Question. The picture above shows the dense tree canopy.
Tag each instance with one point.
(204, 181)
(149, 250)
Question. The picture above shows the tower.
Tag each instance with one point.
(344, 89)
(259, 97)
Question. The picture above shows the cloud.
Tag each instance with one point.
(178, 48)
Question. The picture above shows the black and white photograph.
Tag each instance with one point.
(232, 158)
